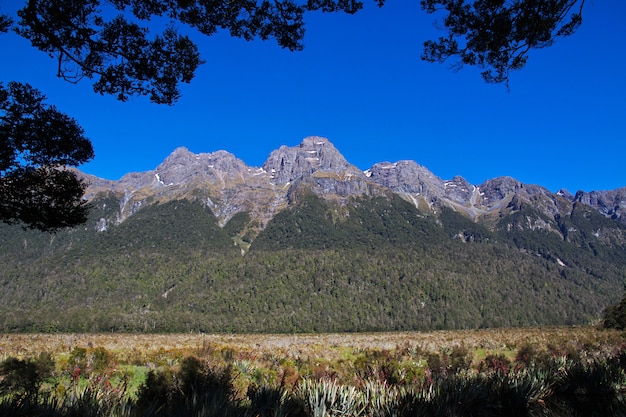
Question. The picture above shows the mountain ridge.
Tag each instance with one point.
(229, 186)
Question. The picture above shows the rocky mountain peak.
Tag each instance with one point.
(406, 177)
(459, 190)
(288, 164)
(610, 203)
(228, 186)
(565, 194)
(498, 188)
(180, 152)
(183, 166)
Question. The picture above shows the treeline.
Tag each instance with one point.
(376, 264)
(461, 286)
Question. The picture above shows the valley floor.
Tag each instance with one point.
(329, 346)
(558, 371)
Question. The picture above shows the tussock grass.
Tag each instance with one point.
(330, 346)
(474, 372)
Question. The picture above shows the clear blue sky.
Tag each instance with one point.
(360, 83)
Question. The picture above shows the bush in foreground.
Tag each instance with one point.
(556, 386)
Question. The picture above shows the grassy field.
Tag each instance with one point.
(536, 366)
(324, 346)
(265, 358)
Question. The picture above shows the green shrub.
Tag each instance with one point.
(495, 363)
(591, 389)
(21, 379)
(526, 353)
(449, 361)
(195, 386)
(615, 316)
(273, 402)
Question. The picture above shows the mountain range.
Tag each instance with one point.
(309, 242)
(228, 186)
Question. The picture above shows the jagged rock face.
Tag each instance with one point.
(318, 165)
(498, 188)
(508, 192)
(459, 190)
(565, 194)
(313, 155)
(610, 203)
(137, 180)
(228, 186)
(211, 175)
(217, 168)
(341, 185)
(406, 177)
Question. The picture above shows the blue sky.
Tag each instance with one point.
(360, 82)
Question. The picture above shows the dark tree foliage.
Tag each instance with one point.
(116, 49)
(5, 23)
(23, 378)
(118, 45)
(615, 316)
(38, 143)
(497, 35)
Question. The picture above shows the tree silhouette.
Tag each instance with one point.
(126, 54)
(615, 316)
(38, 143)
(497, 35)
(120, 57)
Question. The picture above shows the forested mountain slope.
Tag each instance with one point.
(310, 243)
(378, 265)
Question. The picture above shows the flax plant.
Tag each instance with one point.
(327, 398)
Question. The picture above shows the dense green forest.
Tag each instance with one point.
(376, 264)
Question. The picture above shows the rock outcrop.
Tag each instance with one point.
(610, 203)
(228, 186)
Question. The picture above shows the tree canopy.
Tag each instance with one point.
(615, 316)
(125, 53)
(497, 35)
(38, 143)
(119, 54)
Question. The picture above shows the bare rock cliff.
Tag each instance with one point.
(228, 186)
